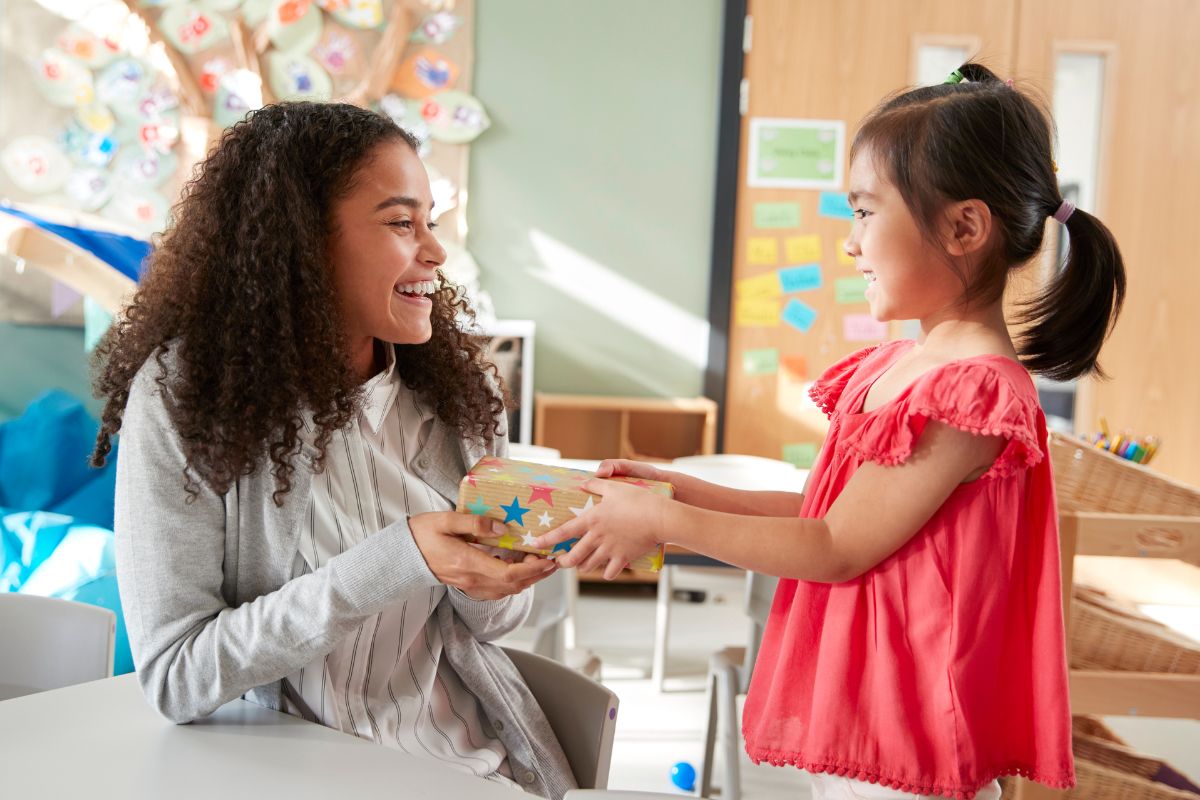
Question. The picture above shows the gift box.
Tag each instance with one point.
(532, 499)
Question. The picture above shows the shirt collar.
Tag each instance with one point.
(380, 391)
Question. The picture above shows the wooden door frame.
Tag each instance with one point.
(729, 136)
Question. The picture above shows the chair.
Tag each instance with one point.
(605, 794)
(50, 643)
(581, 712)
(729, 673)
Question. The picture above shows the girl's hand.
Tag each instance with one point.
(619, 467)
(626, 525)
(456, 562)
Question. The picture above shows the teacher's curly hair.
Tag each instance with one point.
(240, 288)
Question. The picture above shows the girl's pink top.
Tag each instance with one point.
(944, 666)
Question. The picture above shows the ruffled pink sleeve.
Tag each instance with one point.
(827, 390)
(977, 397)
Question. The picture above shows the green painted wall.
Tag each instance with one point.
(34, 358)
(591, 196)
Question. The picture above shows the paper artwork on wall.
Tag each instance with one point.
(62, 80)
(191, 28)
(424, 74)
(238, 92)
(436, 28)
(89, 189)
(360, 14)
(337, 52)
(294, 26)
(35, 164)
(454, 117)
(297, 77)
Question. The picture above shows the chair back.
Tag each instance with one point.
(47, 643)
(581, 712)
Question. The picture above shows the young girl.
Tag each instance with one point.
(915, 646)
(297, 405)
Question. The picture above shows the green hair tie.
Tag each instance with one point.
(955, 77)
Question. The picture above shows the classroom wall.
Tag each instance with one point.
(590, 203)
(35, 358)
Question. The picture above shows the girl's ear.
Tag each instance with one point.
(967, 227)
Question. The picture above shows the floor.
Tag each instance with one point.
(656, 730)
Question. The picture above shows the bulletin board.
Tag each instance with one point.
(796, 303)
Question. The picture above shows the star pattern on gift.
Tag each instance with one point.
(479, 508)
(545, 478)
(524, 468)
(564, 547)
(488, 461)
(529, 540)
(471, 480)
(507, 541)
(579, 512)
(545, 519)
(542, 493)
(515, 512)
(639, 482)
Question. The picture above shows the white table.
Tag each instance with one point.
(102, 740)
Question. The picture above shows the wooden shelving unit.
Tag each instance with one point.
(644, 429)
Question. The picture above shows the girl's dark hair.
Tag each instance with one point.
(241, 289)
(982, 139)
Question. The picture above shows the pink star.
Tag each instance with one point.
(541, 493)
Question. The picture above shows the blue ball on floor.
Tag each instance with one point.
(683, 775)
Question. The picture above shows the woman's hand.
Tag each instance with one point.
(619, 467)
(456, 562)
(628, 524)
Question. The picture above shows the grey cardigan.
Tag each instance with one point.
(213, 613)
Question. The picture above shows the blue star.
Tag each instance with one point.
(543, 479)
(525, 469)
(564, 547)
(479, 507)
(515, 513)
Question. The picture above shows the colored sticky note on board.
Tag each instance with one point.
(802, 249)
(863, 328)
(802, 278)
(851, 290)
(777, 215)
(761, 362)
(844, 258)
(765, 285)
(794, 367)
(834, 204)
(801, 455)
(762, 251)
(757, 312)
(799, 315)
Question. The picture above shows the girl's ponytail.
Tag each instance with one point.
(1070, 319)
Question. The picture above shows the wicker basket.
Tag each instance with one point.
(1108, 636)
(1095, 782)
(1087, 479)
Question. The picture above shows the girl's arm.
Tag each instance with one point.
(879, 510)
(702, 494)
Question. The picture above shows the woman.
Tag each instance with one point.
(297, 406)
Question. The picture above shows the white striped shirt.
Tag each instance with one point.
(387, 681)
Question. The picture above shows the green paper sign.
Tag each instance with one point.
(796, 153)
(801, 455)
(851, 290)
(777, 215)
(761, 362)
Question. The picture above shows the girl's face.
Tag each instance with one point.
(383, 250)
(908, 277)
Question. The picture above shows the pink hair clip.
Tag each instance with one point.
(1009, 83)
